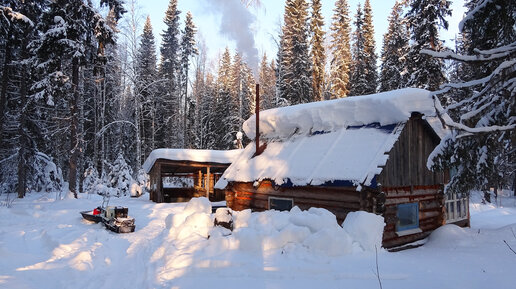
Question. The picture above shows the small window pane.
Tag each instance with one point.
(408, 216)
(280, 204)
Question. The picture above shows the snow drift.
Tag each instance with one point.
(315, 230)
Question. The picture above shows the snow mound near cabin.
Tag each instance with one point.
(313, 231)
(366, 228)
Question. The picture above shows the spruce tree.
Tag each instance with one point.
(267, 80)
(424, 18)
(170, 69)
(317, 50)
(188, 49)
(358, 84)
(481, 148)
(394, 49)
(340, 50)
(67, 30)
(296, 62)
(146, 88)
(226, 108)
(369, 50)
(20, 132)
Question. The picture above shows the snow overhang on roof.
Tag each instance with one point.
(383, 108)
(201, 156)
(338, 140)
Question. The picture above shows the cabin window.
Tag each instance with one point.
(456, 207)
(408, 218)
(280, 204)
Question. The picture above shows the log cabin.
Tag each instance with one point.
(177, 175)
(365, 153)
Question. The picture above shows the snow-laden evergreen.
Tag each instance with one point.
(168, 108)
(120, 177)
(296, 63)
(393, 74)
(340, 64)
(483, 103)
(425, 17)
(317, 50)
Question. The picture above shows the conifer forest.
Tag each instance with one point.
(86, 93)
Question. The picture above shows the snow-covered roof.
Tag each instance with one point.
(193, 155)
(383, 108)
(338, 140)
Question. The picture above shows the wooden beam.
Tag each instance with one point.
(208, 182)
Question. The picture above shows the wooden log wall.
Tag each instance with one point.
(338, 200)
(431, 211)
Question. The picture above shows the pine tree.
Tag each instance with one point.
(170, 69)
(369, 50)
(358, 84)
(482, 105)
(424, 19)
(340, 50)
(317, 50)
(394, 49)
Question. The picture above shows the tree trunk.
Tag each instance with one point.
(5, 82)
(514, 184)
(23, 152)
(74, 139)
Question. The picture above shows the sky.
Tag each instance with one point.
(254, 29)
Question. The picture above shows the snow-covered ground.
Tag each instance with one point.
(46, 244)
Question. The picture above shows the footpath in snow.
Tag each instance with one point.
(45, 243)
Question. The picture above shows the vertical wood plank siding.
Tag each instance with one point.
(406, 179)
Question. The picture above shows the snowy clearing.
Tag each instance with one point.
(46, 244)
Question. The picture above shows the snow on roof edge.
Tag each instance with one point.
(202, 156)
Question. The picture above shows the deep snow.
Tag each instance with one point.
(46, 244)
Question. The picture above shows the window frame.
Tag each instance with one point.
(409, 229)
(280, 199)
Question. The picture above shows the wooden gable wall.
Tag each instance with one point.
(406, 179)
(406, 165)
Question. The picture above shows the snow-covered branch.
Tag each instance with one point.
(483, 55)
(462, 127)
(7, 12)
(481, 5)
(105, 128)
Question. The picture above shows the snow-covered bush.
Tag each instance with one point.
(120, 176)
(143, 180)
(91, 179)
(42, 176)
(46, 176)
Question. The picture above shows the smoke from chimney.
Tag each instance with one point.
(236, 23)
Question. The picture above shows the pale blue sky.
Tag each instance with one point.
(208, 15)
